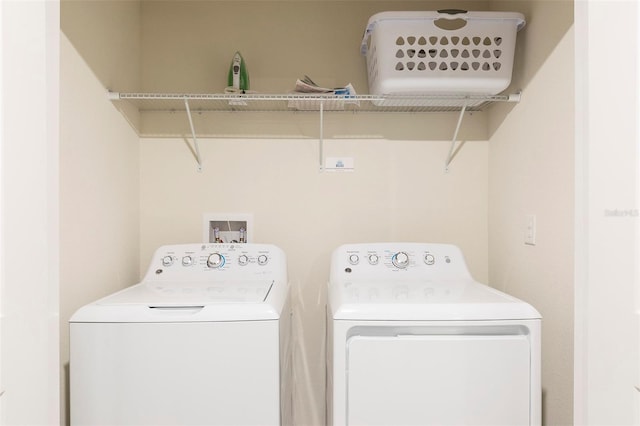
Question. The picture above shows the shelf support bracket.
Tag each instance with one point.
(321, 139)
(196, 147)
(453, 150)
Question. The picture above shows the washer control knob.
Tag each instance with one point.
(187, 261)
(354, 259)
(373, 259)
(400, 260)
(167, 261)
(215, 260)
(243, 260)
(263, 259)
(429, 259)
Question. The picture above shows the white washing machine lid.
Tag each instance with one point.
(186, 302)
(425, 301)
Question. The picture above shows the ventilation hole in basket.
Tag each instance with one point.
(464, 66)
(399, 41)
(433, 53)
(433, 39)
(432, 66)
(454, 65)
(465, 53)
(455, 53)
(443, 66)
(497, 41)
(444, 54)
(422, 66)
(477, 40)
(486, 41)
(496, 66)
(466, 41)
(400, 53)
(411, 40)
(475, 53)
(444, 41)
(422, 41)
(475, 65)
(411, 52)
(411, 65)
(486, 54)
(399, 66)
(497, 53)
(455, 40)
(486, 67)
(422, 53)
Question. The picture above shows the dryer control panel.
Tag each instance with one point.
(397, 262)
(206, 262)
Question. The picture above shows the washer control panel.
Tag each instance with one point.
(397, 261)
(204, 262)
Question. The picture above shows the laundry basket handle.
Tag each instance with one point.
(452, 11)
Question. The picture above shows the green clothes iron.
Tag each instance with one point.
(238, 79)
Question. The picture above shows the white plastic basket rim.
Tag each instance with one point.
(517, 17)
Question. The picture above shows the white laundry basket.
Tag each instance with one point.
(448, 52)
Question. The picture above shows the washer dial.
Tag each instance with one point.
(215, 260)
(243, 259)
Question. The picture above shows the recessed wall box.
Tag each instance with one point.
(227, 228)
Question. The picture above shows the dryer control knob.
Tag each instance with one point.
(263, 259)
(243, 259)
(215, 260)
(187, 261)
(373, 259)
(354, 259)
(167, 261)
(429, 259)
(400, 260)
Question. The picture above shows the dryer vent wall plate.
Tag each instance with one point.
(227, 228)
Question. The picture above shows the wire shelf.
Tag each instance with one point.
(306, 102)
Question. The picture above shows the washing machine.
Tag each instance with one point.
(201, 340)
(414, 340)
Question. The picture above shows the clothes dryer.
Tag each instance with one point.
(414, 340)
(202, 340)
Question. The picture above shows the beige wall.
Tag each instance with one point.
(99, 196)
(531, 156)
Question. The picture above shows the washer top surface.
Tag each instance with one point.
(414, 281)
(200, 282)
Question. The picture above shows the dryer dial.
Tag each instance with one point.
(400, 260)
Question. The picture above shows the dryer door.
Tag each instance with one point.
(438, 380)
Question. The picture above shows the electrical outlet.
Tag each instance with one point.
(530, 230)
(339, 164)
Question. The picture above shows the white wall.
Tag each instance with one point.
(29, 229)
(531, 155)
(607, 219)
(99, 196)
